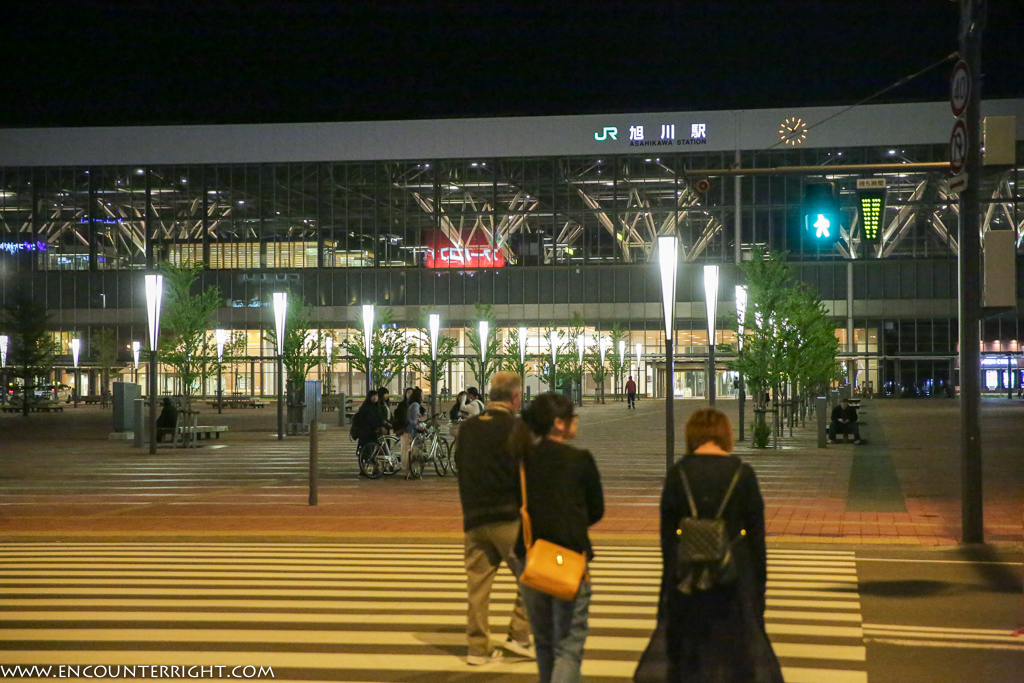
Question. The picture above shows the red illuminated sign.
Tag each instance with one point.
(441, 252)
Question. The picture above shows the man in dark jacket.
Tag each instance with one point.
(490, 494)
(844, 421)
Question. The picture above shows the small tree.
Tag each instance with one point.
(569, 366)
(619, 363)
(32, 349)
(106, 354)
(389, 354)
(514, 354)
(598, 367)
(185, 340)
(483, 365)
(422, 357)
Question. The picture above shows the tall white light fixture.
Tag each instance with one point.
(434, 323)
(154, 295)
(136, 350)
(711, 300)
(741, 315)
(280, 316)
(581, 342)
(220, 336)
(554, 357)
(522, 360)
(668, 259)
(368, 344)
(76, 345)
(602, 346)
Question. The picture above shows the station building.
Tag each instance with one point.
(539, 217)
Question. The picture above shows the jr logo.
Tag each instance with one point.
(608, 132)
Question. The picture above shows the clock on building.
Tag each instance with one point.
(793, 131)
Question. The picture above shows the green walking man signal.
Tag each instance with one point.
(821, 214)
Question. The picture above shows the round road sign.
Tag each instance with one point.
(959, 88)
(958, 147)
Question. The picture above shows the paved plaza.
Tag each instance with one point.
(63, 479)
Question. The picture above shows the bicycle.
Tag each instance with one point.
(384, 456)
(430, 446)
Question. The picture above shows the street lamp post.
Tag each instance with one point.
(522, 360)
(639, 348)
(668, 258)
(136, 349)
(484, 328)
(221, 336)
(602, 344)
(154, 295)
(741, 314)
(622, 365)
(434, 322)
(280, 313)
(581, 341)
(554, 358)
(76, 345)
(368, 344)
(711, 300)
(329, 346)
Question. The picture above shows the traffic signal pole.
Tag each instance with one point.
(972, 20)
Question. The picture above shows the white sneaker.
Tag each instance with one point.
(479, 660)
(521, 649)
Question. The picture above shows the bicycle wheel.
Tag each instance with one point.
(416, 459)
(440, 457)
(370, 460)
(449, 456)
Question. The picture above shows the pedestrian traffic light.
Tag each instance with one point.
(821, 214)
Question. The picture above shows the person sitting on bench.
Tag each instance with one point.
(844, 421)
(168, 420)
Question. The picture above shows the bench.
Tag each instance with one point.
(198, 431)
(91, 399)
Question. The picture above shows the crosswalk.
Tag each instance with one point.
(365, 612)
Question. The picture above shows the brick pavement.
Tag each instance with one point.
(62, 478)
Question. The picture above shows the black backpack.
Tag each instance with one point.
(704, 557)
(357, 429)
(398, 420)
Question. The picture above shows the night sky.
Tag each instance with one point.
(113, 63)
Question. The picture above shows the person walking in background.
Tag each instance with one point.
(630, 393)
(564, 499)
(719, 634)
(487, 455)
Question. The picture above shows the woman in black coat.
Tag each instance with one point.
(717, 635)
(367, 423)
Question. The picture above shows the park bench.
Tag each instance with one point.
(91, 399)
(198, 432)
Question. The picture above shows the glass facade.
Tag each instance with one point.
(537, 238)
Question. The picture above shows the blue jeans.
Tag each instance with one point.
(560, 630)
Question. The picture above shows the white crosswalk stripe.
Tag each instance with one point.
(366, 612)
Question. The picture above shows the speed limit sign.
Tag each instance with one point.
(959, 88)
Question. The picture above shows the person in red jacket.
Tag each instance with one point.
(630, 393)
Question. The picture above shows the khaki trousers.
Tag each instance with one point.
(486, 547)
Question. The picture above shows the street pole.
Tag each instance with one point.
(152, 402)
(972, 20)
(670, 415)
(280, 397)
